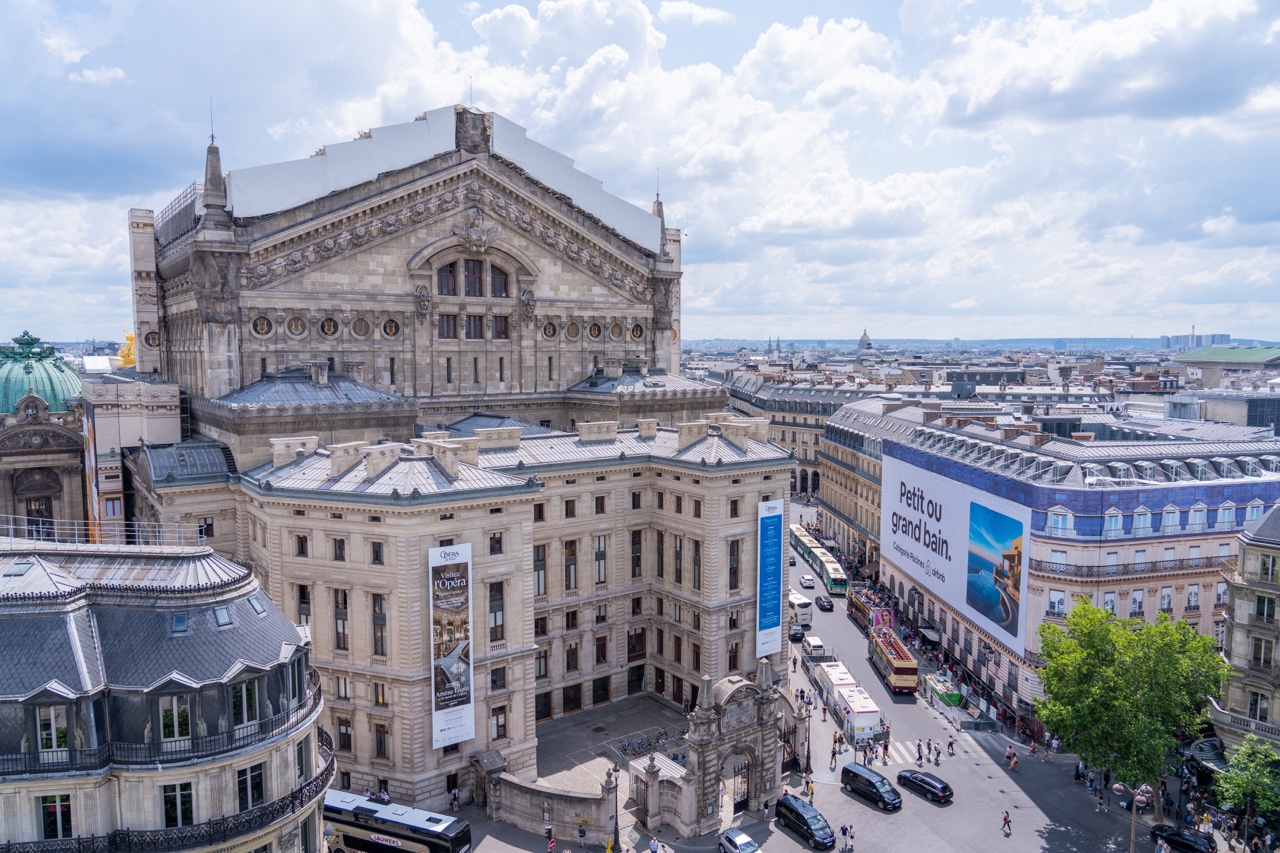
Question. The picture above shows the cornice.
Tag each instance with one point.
(297, 250)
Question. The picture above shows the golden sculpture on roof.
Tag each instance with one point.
(126, 353)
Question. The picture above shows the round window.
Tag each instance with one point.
(296, 326)
(616, 330)
(549, 330)
(151, 339)
(637, 331)
(262, 326)
(594, 330)
(390, 328)
(572, 330)
(329, 327)
(361, 328)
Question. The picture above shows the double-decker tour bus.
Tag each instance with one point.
(799, 609)
(371, 825)
(820, 560)
(869, 608)
(893, 661)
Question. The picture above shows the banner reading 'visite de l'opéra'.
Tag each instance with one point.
(453, 718)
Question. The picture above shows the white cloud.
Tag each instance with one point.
(97, 76)
(683, 10)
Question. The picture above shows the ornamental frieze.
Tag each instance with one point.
(482, 205)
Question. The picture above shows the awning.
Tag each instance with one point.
(931, 636)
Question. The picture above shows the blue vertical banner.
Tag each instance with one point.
(769, 578)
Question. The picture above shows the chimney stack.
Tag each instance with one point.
(343, 456)
(379, 457)
(285, 450)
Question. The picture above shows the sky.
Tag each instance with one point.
(923, 169)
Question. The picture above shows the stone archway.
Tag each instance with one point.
(804, 480)
(736, 725)
(813, 481)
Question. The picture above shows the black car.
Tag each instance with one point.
(823, 603)
(796, 633)
(870, 785)
(927, 784)
(793, 562)
(1188, 840)
(806, 821)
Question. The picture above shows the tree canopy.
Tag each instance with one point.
(1119, 690)
(1252, 778)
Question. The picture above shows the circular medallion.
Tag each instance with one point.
(262, 326)
(361, 328)
(594, 330)
(549, 330)
(571, 331)
(151, 339)
(296, 326)
(615, 331)
(637, 331)
(329, 327)
(390, 328)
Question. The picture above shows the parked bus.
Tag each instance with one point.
(817, 558)
(893, 661)
(800, 609)
(370, 825)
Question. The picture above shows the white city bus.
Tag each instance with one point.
(367, 825)
(799, 609)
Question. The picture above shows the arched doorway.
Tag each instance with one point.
(804, 480)
(813, 480)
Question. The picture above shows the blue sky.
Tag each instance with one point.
(925, 169)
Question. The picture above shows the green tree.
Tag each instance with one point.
(1118, 690)
(1251, 778)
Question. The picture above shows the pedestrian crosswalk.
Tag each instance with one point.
(904, 752)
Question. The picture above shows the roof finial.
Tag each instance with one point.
(212, 138)
(657, 182)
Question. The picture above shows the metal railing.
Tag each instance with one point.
(165, 752)
(1053, 567)
(53, 532)
(1241, 722)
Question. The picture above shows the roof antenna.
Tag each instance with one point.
(657, 182)
(211, 136)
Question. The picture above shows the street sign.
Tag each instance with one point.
(551, 846)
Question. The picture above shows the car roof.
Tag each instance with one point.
(736, 835)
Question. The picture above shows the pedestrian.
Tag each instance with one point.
(951, 747)
(886, 751)
(1089, 784)
(844, 836)
(1106, 780)
(1008, 754)
(833, 755)
(653, 845)
(794, 660)
(582, 837)
(1057, 744)
(810, 793)
(937, 754)
(919, 752)
(824, 713)
(928, 747)
(1100, 807)
(1006, 825)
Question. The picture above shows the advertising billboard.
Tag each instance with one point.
(453, 718)
(964, 545)
(769, 546)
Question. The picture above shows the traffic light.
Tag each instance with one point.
(546, 830)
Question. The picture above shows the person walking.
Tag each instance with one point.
(1008, 754)
(582, 837)
(1006, 825)
(844, 837)
(937, 754)
(653, 845)
(1100, 807)
(833, 755)
(928, 748)
(951, 747)
(919, 752)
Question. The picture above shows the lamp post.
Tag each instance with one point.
(616, 778)
(808, 736)
(1137, 797)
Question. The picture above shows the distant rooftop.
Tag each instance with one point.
(1259, 356)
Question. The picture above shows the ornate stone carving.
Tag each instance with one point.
(528, 304)
(214, 280)
(422, 293)
(146, 295)
(36, 439)
(477, 236)
(36, 482)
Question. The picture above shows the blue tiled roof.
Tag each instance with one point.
(466, 428)
(297, 388)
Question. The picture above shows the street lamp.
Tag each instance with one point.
(808, 735)
(616, 779)
(1138, 798)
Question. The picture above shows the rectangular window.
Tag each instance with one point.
(341, 629)
(1109, 602)
(204, 528)
(733, 620)
(539, 626)
(657, 642)
(602, 650)
(381, 741)
(379, 624)
(55, 817)
(1193, 596)
(244, 703)
(475, 369)
(1263, 651)
(571, 565)
(570, 508)
(637, 541)
(1135, 602)
(677, 649)
(540, 663)
(501, 330)
(502, 361)
(679, 504)
(733, 656)
(448, 370)
(344, 734)
(539, 570)
(497, 615)
(678, 545)
(1259, 706)
(637, 606)
(380, 694)
(695, 655)
(572, 697)
(539, 512)
(733, 509)
(447, 280)
(473, 278)
(571, 657)
(635, 645)
(251, 785)
(661, 561)
(697, 508)
(475, 327)
(447, 328)
(600, 505)
(1166, 598)
(178, 809)
(498, 283)
(375, 553)
(300, 546)
(571, 620)
(495, 543)
(498, 723)
(635, 500)
(175, 717)
(1057, 601)
(601, 559)
(339, 550)
(342, 684)
(1267, 568)
(661, 500)
(697, 564)
(735, 559)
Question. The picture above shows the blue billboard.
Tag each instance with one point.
(769, 578)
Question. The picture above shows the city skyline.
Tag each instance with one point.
(919, 170)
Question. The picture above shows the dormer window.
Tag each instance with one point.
(222, 615)
(175, 717)
(180, 622)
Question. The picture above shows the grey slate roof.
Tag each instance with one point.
(186, 460)
(407, 474)
(638, 383)
(570, 449)
(82, 617)
(1265, 531)
(466, 428)
(296, 388)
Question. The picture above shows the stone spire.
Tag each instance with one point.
(215, 190)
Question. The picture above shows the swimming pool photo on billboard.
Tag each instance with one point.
(994, 577)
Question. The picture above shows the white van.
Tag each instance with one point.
(813, 646)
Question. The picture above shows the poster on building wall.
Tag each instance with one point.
(453, 718)
(769, 578)
(964, 545)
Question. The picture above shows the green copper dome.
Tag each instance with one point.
(30, 367)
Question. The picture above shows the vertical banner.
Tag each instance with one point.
(453, 718)
(91, 473)
(769, 579)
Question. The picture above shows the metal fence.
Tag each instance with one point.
(54, 532)
(1054, 567)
